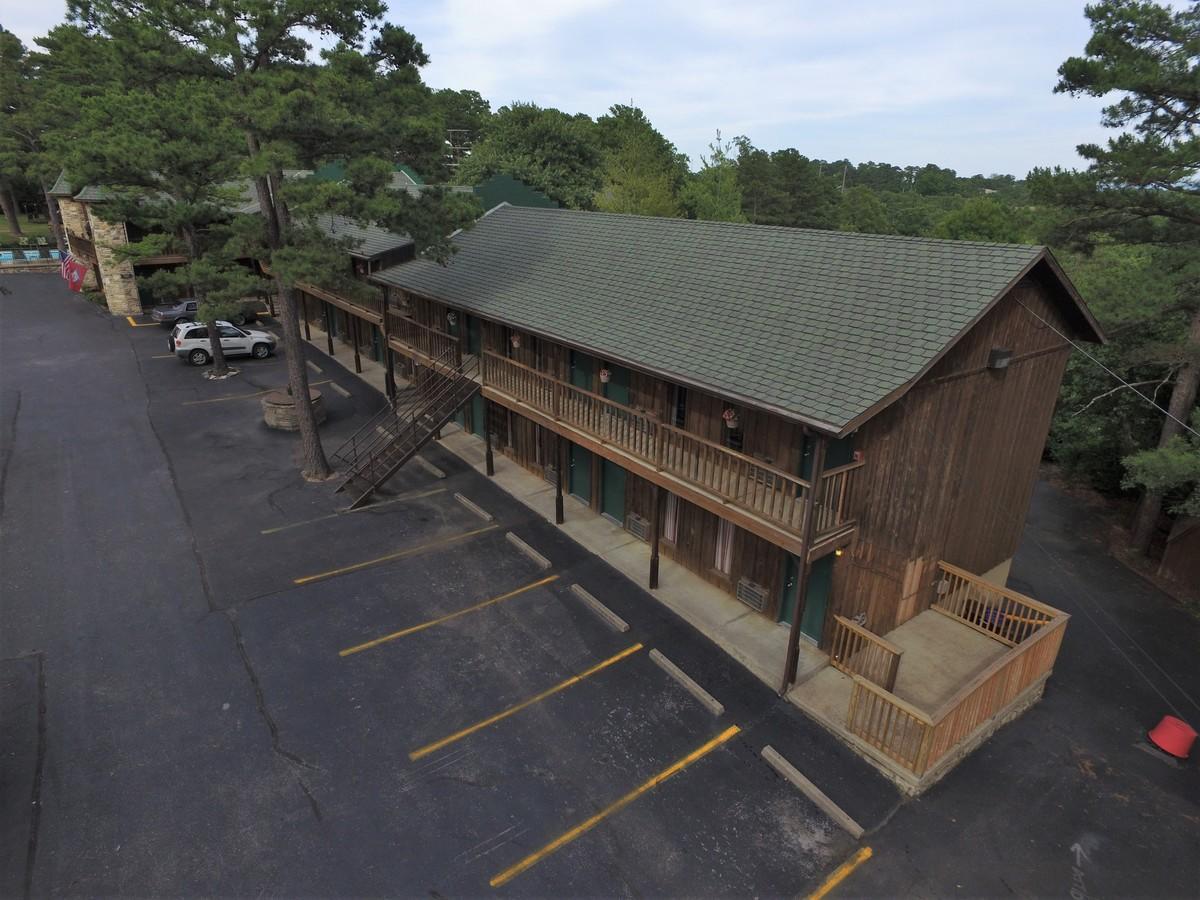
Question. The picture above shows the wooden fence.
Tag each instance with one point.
(916, 739)
(857, 651)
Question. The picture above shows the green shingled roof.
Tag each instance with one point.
(369, 240)
(820, 325)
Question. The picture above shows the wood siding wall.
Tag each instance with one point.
(950, 467)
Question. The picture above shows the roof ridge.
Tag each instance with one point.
(788, 229)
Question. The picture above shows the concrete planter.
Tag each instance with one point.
(279, 410)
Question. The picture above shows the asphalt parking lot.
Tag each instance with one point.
(232, 687)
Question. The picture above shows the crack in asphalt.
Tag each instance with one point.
(35, 814)
(12, 445)
(230, 615)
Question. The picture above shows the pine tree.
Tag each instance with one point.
(1141, 187)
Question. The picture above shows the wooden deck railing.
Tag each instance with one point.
(917, 740)
(427, 341)
(373, 305)
(740, 480)
(857, 651)
(1005, 615)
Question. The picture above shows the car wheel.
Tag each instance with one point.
(260, 351)
(239, 319)
(198, 357)
(181, 320)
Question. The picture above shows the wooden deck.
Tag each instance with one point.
(962, 668)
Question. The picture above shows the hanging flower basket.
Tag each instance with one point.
(515, 340)
(605, 375)
(451, 318)
(731, 418)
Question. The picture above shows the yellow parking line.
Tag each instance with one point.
(587, 825)
(244, 396)
(841, 873)
(516, 708)
(399, 554)
(133, 324)
(414, 495)
(454, 615)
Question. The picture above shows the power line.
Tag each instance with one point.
(1122, 381)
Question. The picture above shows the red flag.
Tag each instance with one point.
(75, 272)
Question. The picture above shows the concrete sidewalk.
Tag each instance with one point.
(757, 643)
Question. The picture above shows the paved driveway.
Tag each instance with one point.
(223, 685)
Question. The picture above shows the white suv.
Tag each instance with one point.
(189, 340)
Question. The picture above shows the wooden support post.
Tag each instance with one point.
(304, 306)
(560, 472)
(810, 502)
(354, 339)
(389, 378)
(489, 460)
(330, 322)
(658, 497)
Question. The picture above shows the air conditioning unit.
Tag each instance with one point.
(637, 526)
(753, 594)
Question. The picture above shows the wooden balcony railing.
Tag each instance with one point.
(858, 651)
(735, 478)
(918, 740)
(1005, 615)
(425, 340)
(371, 305)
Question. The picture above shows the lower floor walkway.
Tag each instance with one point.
(753, 640)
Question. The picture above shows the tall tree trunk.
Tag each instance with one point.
(10, 209)
(55, 217)
(1183, 400)
(314, 465)
(219, 366)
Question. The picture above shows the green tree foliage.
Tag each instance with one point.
(1171, 470)
(713, 192)
(557, 154)
(1141, 186)
(785, 188)
(983, 219)
(290, 109)
(643, 171)
(862, 211)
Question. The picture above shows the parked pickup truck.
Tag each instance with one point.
(184, 310)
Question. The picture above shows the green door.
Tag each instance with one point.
(474, 335)
(580, 481)
(478, 416)
(617, 389)
(583, 370)
(820, 579)
(612, 491)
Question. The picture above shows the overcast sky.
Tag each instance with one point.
(963, 84)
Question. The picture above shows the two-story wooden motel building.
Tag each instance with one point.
(826, 425)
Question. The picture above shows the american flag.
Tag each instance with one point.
(62, 266)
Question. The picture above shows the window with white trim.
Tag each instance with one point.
(671, 519)
(723, 561)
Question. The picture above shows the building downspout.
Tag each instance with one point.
(793, 650)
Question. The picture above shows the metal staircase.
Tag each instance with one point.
(394, 435)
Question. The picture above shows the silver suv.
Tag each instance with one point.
(184, 310)
(189, 341)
